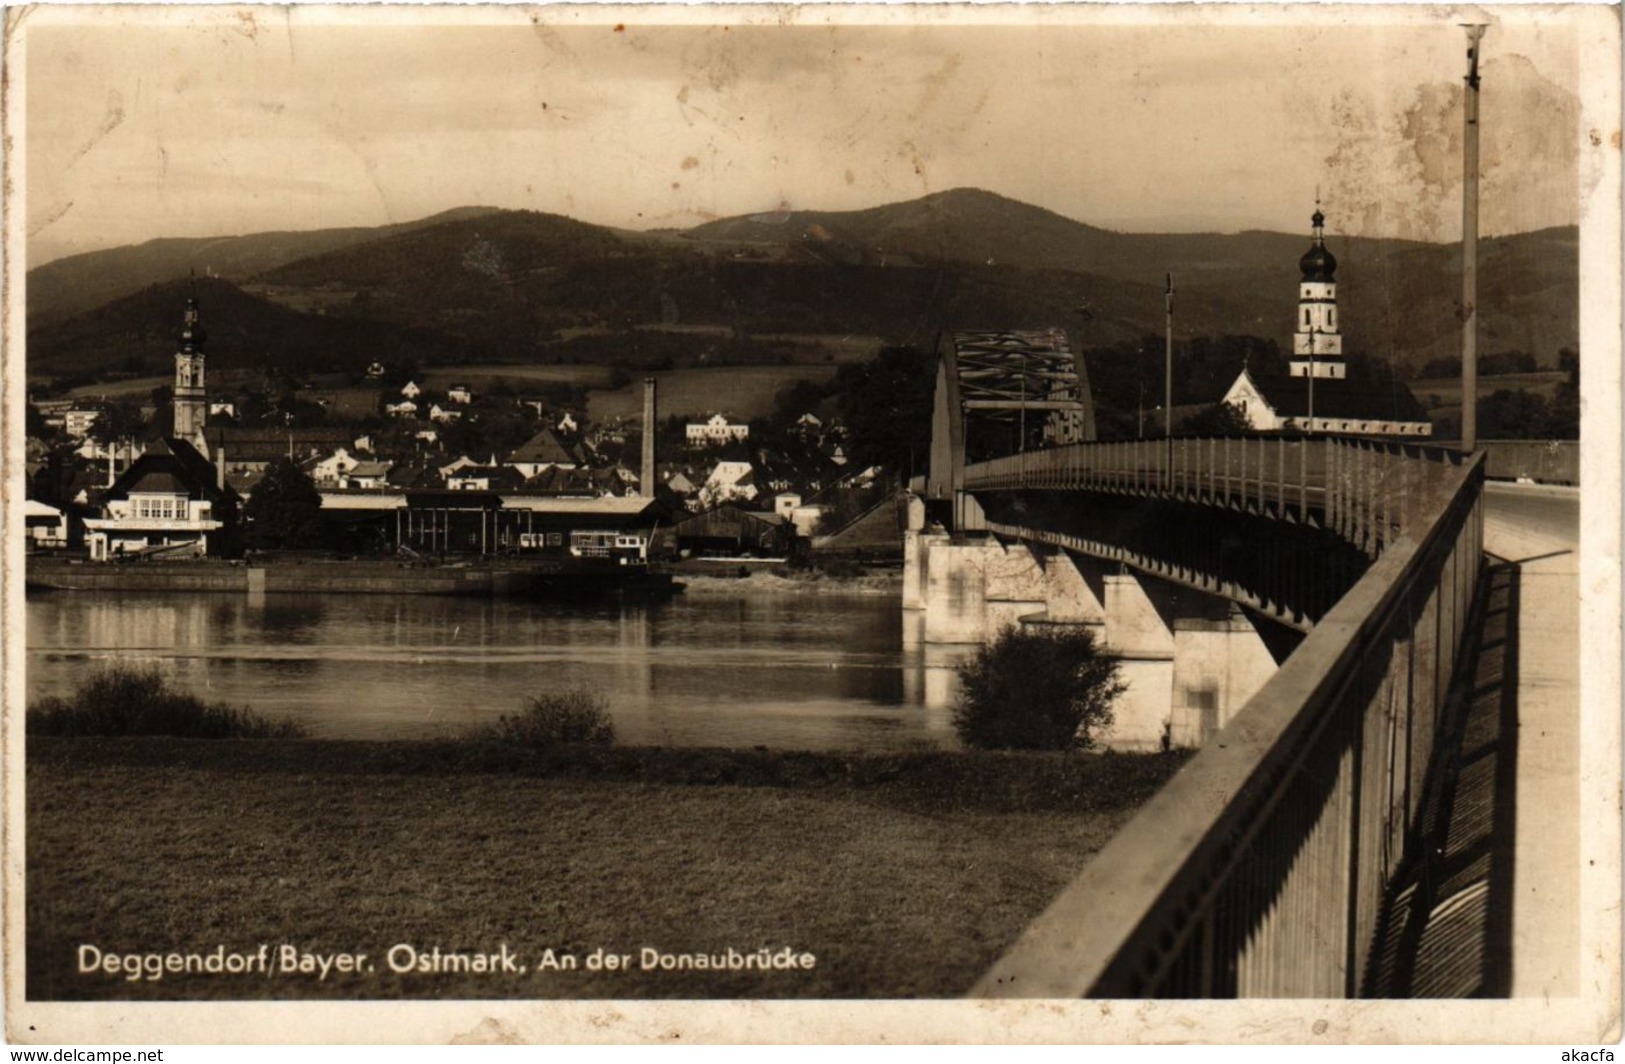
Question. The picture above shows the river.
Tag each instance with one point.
(816, 671)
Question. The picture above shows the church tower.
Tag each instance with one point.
(1317, 346)
(191, 403)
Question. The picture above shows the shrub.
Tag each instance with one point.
(1044, 689)
(574, 715)
(126, 700)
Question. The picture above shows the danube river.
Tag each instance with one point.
(822, 671)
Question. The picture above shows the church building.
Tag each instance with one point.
(172, 501)
(1315, 394)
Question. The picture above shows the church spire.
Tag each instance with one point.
(1317, 347)
(191, 399)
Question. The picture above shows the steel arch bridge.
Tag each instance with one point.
(1277, 890)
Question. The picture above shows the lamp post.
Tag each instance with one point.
(1469, 246)
(1168, 383)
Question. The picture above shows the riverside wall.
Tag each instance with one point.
(380, 578)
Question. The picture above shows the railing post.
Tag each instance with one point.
(1244, 473)
(1303, 483)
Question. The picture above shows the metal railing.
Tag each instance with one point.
(1543, 461)
(1362, 489)
(1275, 891)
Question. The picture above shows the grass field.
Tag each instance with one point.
(517, 376)
(741, 391)
(1448, 390)
(903, 875)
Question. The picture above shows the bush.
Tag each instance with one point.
(575, 715)
(1036, 690)
(126, 700)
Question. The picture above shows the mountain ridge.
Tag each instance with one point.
(514, 283)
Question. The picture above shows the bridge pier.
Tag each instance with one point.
(1220, 661)
(1189, 660)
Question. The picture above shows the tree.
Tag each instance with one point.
(1037, 689)
(885, 405)
(1220, 419)
(117, 422)
(163, 410)
(284, 510)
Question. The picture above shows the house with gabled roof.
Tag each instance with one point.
(170, 501)
(542, 451)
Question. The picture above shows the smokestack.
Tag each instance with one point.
(646, 486)
(220, 468)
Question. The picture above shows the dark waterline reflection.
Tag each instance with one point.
(815, 671)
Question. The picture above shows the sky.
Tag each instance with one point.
(150, 122)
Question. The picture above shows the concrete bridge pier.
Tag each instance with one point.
(1189, 660)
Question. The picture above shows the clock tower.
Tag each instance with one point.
(1317, 346)
(191, 402)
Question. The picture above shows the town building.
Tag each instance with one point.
(542, 451)
(47, 526)
(171, 502)
(730, 529)
(252, 450)
(728, 482)
(716, 429)
(77, 422)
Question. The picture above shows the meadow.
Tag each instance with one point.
(903, 875)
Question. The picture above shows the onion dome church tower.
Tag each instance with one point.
(1317, 346)
(191, 401)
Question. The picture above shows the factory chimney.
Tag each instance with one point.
(646, 485)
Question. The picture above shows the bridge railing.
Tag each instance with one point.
(1259, 870)
(1360, 488)
(1543, 461)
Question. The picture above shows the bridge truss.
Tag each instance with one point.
(1012, 376)
(1026, 385)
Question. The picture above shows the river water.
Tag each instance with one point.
(817, 671)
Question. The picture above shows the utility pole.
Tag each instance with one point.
(1168, 383)
(1469, 246)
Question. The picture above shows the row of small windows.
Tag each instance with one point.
(1331, 317)
(159, 507)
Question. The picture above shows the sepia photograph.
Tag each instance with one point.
(553, 523)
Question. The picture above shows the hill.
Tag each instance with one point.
(1398, 298)
(67, 286)
(136, 334)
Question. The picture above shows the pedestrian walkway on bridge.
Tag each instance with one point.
(1491, 909)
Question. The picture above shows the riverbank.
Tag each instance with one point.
(792, 582)
(903, 875)
(345, 576)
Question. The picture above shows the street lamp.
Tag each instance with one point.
(1168, 383)
(1469, 245)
